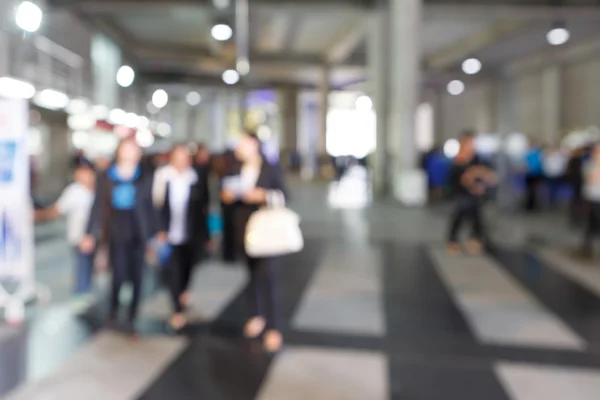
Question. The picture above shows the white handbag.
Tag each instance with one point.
(273, 231)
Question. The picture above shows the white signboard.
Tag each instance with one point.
(16, 219)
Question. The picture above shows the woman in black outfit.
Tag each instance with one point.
(258, 183)
(124, 219)
(183, 221)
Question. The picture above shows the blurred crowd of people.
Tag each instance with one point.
(169, 210)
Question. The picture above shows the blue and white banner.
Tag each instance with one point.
(16, 217)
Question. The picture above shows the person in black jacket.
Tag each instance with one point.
(124, 219)
(183, 220)
(253, 184)
(470, 179)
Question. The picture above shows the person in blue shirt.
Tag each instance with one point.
(124, 220)
(534, 175)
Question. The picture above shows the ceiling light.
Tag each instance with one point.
(51, 99)
(364, 103)
(125, 76)
(471, 66)
(160, 98)
(231, 77)
(243, 66)
(456, 87)
(15, 89)
(451, 148)
(558, 36)
(29, 16)
(163, 129)
(221, 32)
(77, 106)
(117, 116)
(193, 98)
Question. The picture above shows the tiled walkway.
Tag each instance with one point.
(373, 309)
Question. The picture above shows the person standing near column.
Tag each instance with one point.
(124, 218)
(534, 174)
(591, 193)
(470, 179)
(256, 183)
(183, 218)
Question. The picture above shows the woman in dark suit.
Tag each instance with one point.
(183, 221)
(124, 219)
(253, 184)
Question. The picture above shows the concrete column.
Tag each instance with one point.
(308, 130)
(4, 54)
(378, 73)
(506, 124)
(289, 114)
(551, 103)
(409, 184)
(179, 117)
(220, 108)
(324, 108)
(106, 61)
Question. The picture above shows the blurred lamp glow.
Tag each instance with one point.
(558, 36)
(471, 66)
(152, 109)
(144, 138)
(125, 76)
(231, 77)
(221, 32)
(15, 89)
(77, 106)
(160, 98)
(81, 122)
(264, 132)
(193, 98)
(51, 99)
(117, 116)
(163, 129)
(79, 139)
(143, 123)
(131, 120)
(456, 87)
(29, 16)
(364, 103)
(100, 112)
(451, 148)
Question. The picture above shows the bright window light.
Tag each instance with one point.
(424, 127)
(364, 103)
(456, 87)
(231, 77)
(451, 148)
(221, 32)
(125, 76)
(29, 16)
(15, 89)
(193, 98)
(471, 66)
(117, 116)
(51, 99)
(160, 98)
(558, 36)
(350, 133)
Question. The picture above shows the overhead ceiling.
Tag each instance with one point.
(290, 43)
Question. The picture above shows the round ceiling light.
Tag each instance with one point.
(558, 36)
(231, 77)
(456, 87)
(29, 16)
(221, 32)
(125, 76)
(451, 148)
(193, 98)
(364, 103)
(471, 66)
(160, 98)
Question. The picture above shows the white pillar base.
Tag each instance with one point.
(410, 187)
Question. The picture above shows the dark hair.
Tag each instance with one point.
(467, 134)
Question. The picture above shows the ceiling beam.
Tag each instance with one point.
(517, 12)
(346, 40)
(450, 55)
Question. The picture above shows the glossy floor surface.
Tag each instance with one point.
(373, 308)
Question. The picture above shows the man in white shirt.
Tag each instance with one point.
(554, 164)
(75, 203)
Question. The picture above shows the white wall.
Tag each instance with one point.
(581, 94)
